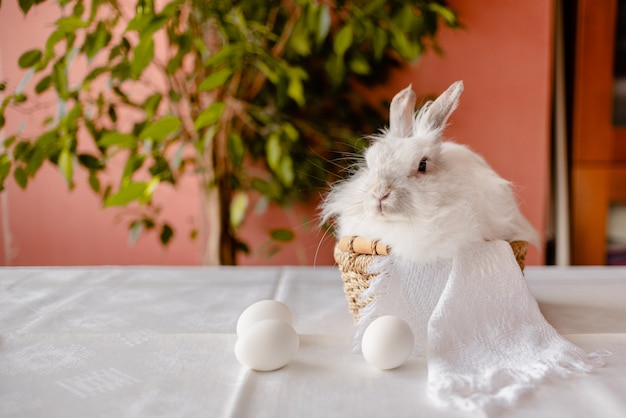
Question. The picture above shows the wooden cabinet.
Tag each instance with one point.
(598, 154)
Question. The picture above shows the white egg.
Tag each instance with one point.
(387, 342)
(267, 345)
(263, 309)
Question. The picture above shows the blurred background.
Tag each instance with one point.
(544, 102)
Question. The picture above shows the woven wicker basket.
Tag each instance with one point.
(356, 277)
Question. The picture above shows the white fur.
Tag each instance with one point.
(458, 201)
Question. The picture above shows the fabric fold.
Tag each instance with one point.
(474, 317)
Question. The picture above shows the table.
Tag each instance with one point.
(158, 341)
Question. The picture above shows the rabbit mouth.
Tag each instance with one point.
(381, 208)
(385, 211)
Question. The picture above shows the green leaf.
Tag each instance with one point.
(118, 139)
(9, 141)
(59, 79)
(66, 166)
(148, 223)
(151, 104)
(142, 56)
(290, 130)
(359, 65)
(5, 169)
(170, 9)
(22, 151)
(166, 234)
(94, 182)
(20, 177)
(270, 190)
(343, 40)
(210, 116)
(174, 64)
(401, 43)
(93, 74)
(379, 42)
(146, 24)
(323, 24)
(95, 133)
(128, 193)
(139, 22)
(137, 227)
(25, 5)
(121, 71)
(269, 73)
(46, 146)
(224, 55)
(160, 129)
(283, 235)
(95, 41)
(134, 163)
(404, 17)
(79, 9)
(70, 121)
(215, 79)
(29, 58)
(156, 23)
(299, 40)
(285, 171)
(71, 23)
(36, 161)
(295, 89)
(174, 96)
(447, 14)
(43, 84)
(161, 169)
(241, 246)
(238, 208)
(112, 113)
(90, 162)
(374, 6)
(54, 38)
(273, 150)
(120, 93)
(236, 149)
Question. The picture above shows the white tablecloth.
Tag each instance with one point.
(151, 342)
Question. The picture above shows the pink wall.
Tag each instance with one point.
(503, 56)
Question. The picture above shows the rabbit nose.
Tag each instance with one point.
(381, 194)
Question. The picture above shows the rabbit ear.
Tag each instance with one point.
(438, 112)
(402, 113)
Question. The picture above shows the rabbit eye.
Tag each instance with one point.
(422, 166)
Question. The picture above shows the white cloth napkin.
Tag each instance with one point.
(475, 319)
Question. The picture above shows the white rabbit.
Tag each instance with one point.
(422, 196)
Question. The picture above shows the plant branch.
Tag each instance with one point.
(277, 51)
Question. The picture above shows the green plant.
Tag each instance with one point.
(276, 85)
